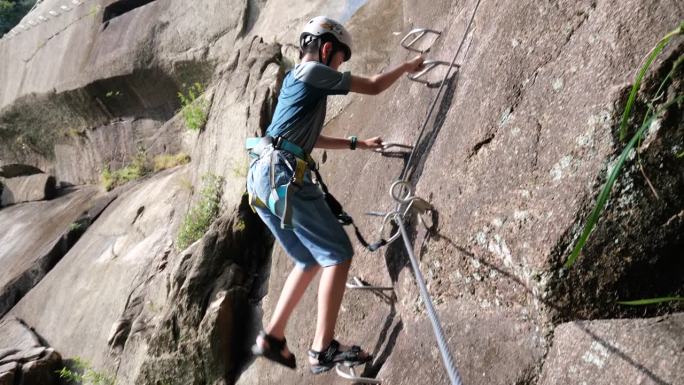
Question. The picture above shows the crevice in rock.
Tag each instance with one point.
(121, 7)
(388, 337)
(208, 309)
(537, 139)
(476, 148)
(557, 52)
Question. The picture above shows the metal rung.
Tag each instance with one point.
(429, 66)
(359, 285)
(419, 32)
(351, 375)
(388, 145)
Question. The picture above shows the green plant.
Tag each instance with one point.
(11, 12)
(94, 9)
(137, 169)
(74, 133)
(83, 373)
(194, 108)
(186, 184)
(651, 115)
(164, 161)
(199, 217)
(75, 226)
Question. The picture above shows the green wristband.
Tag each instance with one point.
(353, 140)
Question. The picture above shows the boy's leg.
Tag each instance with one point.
(292, 292)
(296, 283)
(330, 293)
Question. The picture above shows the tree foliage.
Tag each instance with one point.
(11, 13)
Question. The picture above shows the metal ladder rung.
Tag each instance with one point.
(351, 375)
(359, 285)
(420, 33)
(429, 66)
(385, 146)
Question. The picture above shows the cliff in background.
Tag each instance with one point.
(512, 159)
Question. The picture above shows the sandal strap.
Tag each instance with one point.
(353, 354)
(327, 355)
(273, 343)
(333, 354)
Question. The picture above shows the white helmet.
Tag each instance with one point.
(322, 25)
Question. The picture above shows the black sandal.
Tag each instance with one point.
(332, 355)
(273, 350)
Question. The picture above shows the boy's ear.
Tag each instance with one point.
(327, 49)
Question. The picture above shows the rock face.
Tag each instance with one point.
(119, 255)
(635, 351)
(511, 159)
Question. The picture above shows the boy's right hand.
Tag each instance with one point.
(415, 64)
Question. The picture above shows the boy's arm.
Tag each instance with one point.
(378, 83)
(331, 143)
(371, 86)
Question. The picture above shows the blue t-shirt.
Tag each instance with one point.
(300, 113)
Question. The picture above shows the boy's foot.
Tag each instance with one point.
(334, 354)
(274, 349)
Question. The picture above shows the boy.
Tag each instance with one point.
(315, 240)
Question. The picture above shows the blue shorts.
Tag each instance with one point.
(317, 237)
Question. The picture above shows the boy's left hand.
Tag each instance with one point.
(371, 143)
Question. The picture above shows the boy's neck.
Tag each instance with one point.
(310, 57)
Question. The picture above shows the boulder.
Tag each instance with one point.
(36, 187)
(25, 355)
(43, 371)
(625, 351)
(8, 367)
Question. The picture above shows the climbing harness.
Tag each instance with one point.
(273, 147)
(269, 146)
(407, 203)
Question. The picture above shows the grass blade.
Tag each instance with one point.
(651, 301)
(640, 75)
